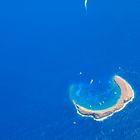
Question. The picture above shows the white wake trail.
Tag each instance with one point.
(85, 4)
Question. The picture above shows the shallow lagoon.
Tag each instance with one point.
(94, 99)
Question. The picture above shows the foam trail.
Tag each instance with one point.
(85, 4)
(91, 82)
(80, 73)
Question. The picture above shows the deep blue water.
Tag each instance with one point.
(43, 47)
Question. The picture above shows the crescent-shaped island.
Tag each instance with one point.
(126, 95)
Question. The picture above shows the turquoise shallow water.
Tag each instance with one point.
(86, 96)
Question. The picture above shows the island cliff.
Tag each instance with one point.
(126, 95)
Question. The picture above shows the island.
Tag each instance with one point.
(126, 95)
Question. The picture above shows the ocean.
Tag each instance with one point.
(44, 45)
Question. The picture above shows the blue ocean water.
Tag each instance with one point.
(43, 47)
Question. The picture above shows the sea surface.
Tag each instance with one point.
(44, 45)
